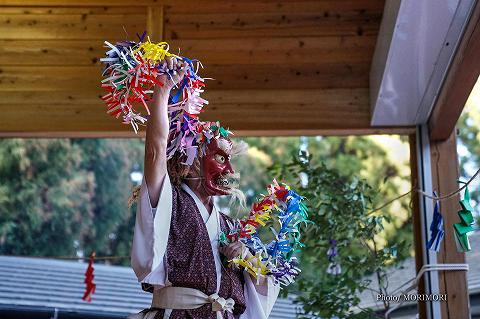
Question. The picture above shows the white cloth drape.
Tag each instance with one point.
(152, 227)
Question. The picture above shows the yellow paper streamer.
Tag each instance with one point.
(253, 265)
(154, 52)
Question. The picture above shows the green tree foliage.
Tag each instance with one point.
(63, 197)
(382, 161)
(110, 162)
(89, 180)
(46, 197)
(340, 207)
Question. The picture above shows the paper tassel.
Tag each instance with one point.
(90, 286)
(130, 77)
(463, 229)
(436, 228)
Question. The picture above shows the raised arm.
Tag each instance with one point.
(157, 131)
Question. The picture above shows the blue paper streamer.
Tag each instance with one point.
(436, 228)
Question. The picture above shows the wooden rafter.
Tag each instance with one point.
(462, 76)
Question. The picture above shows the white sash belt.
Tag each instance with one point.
(189, 298)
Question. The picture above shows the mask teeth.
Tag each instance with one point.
(229, 181)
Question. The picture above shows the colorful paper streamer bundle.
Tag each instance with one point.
(130, 76)
(465, 227)
(276, 258)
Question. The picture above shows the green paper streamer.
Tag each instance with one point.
(465, 227)
(222, 238)
(223, 132)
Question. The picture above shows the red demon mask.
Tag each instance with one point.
(216, 166)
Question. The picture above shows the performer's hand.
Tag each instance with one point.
(178, 70)
(233, 250)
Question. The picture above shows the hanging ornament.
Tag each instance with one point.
(465, 227)
(90, 286)
(333, 267)
(436, 228)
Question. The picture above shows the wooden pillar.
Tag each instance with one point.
(461, 77)
(445, 172)
(155, 23)
(416, 221)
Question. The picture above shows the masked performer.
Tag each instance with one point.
(176, 253)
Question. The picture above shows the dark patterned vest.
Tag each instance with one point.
(190, 261)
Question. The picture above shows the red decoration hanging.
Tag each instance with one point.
(89, 284)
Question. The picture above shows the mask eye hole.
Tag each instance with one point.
(220, 158)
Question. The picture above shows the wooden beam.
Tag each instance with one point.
(416, 222)
(461, 77)
(155, 23)
(445, 172)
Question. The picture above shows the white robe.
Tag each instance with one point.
(152, 227)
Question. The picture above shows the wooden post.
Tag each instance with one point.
(155, 23)
(445, 172)
(416, 221)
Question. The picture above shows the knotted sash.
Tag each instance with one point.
(188, 298)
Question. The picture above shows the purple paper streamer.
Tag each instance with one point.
(333, 267)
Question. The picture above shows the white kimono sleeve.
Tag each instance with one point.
(258, 305)
(152, 226)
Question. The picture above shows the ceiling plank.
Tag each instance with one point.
(460, 80)
(69, 26)
(201, 6)
(327, 50)
(81, 3)
(264, 116)
(295, 76)
(331, 97)
(286, 50)
(50, 52)
(325, 7)
(243, 110)
(53, 11)
(240, 25)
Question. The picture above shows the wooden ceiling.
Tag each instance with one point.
(280, 67)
